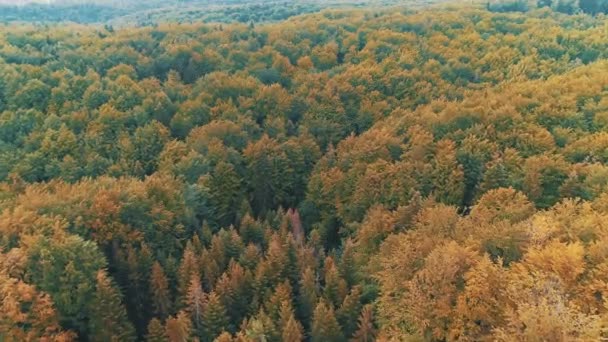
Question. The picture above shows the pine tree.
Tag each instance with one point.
(195, 303)
(187, 267)
(109, 321)
(366, 332)
(262, 328)
(178, 328)
(292, 332)
(136, 289)
(214, 318)
(281, 296)
(156, 331)
(335, 288)
(349, 311)
(348, 269)
(236, 292)
(159, 286)
(224, 337)
(225, 194)
(325, 327)
(291, 329)
(307, 297)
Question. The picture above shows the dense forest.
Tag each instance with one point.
(349, 175)
(141, 13)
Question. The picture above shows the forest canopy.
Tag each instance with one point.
(373, 174)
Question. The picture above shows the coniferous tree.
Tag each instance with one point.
(196, 301)
(325, 327)
(178, 328)
(349, 311)
(307, 297)
(159, 286)
(291, 329)
(366, 331)
(215, 319)
(335, 287)
(109, 321)
(156, 331)
(188, 266)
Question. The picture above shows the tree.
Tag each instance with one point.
(155, 331)
(267, 174)
(292, 331)
(307, 297)
(148, 142)
(178, 328)
(108, 319)
(349, 311)
(366, 331)
(34, 94)
(67, 269)
(26, 315)
(325, 327)
(159, 286)
(335, 289)
(215, 319)
(225, 194)
(188, 266)
(196, 302)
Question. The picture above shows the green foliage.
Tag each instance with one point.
(67, 270)
(355, 174)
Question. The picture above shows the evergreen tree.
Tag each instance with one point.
(292, 332)
(159, 286)
(280, 298)
(195, 304)
(349, 311)
(335, 287)
(307, 297)
(224, 337)
(291, 329)
(366, 331)
(348, 269)
(156, 331)
(225, 194)
(108, 320)
(325, 327)
(188, 266)
(178, 328)
(215, 319)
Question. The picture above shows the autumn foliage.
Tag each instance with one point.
(355, 175)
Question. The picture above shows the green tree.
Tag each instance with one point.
(108, 317)
(67, 269)
(215, 319)
(156, 331)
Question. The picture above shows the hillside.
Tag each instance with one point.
(356, 174)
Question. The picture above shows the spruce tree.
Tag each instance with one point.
(307, 297)
(108, 320)
(215, 319)
(292, 332)
(159, 288)
(366, 331)
(178, 328)
(325, 327)
(291, 329)
(156, 331)
(195, 304)
(349, 311)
